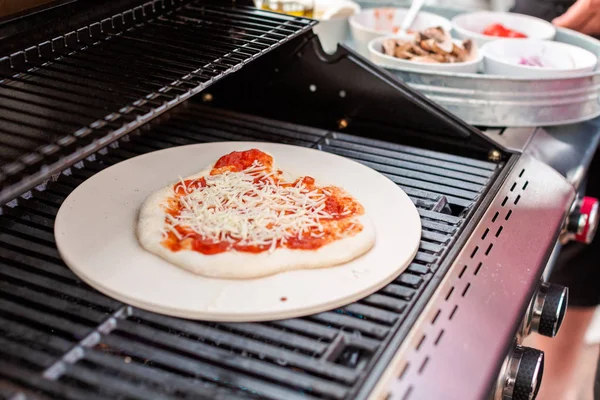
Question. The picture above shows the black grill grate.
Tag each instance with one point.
(60, 338)
(65, 99)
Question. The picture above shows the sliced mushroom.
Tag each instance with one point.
(404, 46)
(442, 58)
(442, 48)
(434, 45)
(471, 49)
(445, 46)
(468, 45)
(459, 52)
(418, 50)
(389, 46)
(425, 59)
(427, 45)
(441, 37)
(403, 55)
(436, 33)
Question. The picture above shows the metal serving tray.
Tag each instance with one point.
(494, 101)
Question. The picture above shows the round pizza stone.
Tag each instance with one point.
(96, 236)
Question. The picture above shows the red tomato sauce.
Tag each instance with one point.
(240, 160)
(336, 203)
(189, 185)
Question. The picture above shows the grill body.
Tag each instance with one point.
(114, 81)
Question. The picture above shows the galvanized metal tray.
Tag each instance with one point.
(494, 101)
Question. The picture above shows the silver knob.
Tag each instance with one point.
(549, 308)
(523, 374)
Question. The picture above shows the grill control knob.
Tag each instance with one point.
(583, 221)
(549, 308)
(589, 208)
(523, 374)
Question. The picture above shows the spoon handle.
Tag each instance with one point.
(414, 9)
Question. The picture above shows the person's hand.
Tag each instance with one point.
(583, 16)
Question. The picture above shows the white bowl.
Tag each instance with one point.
(503, 56)
(471, 25)
(333, 25)
(375, 22)
(377, 55)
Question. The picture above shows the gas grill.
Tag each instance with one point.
(110, 82)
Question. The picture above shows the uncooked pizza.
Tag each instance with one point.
(243, 217)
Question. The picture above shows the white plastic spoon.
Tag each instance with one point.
(414, 9)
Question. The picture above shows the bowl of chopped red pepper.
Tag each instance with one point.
(486, 26)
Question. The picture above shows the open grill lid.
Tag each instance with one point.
(74, 93)
(69, 96)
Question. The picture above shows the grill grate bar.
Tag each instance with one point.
(278, 336)
(38, 282)
(181, 34)
(41, 301)
(164, 381)
(31, 358)
(62, 326)
(385, 302)
(58, 368)
(394, 153)
(371, 313)
(111, 388)
(37, 383)
(352, 321)
(380, 145)
(307, 328)
(238, 343)
(33, 337)
(427, 182)
(202, 360)
(442, 174)
(16, 255)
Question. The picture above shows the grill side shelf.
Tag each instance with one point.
(66, 98)
(85, 345)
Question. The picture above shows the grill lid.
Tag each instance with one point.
(65, 98)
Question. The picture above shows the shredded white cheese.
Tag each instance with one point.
(233, 208)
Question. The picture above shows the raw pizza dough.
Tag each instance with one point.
(234, 264)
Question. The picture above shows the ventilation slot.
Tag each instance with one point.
(488, 233)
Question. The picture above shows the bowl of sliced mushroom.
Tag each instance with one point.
(432, 49)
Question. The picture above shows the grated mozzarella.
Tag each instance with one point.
(233, 207)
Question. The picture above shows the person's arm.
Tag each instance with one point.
(583, 16)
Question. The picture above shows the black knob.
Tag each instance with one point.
(529, 374)
(554, 310)
(549, 308)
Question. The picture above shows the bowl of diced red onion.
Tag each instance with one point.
(532, 58)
